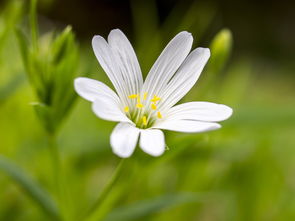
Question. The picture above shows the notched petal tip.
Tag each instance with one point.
(186, 35)
(116, 30)
(152, 142)
(96, 37)
(216, 126)
(77, 81)
(224, 112)
(121, 154)
(116, 35)
(77, 84)
(124, 139)
(227, 111)
(97, 40)
(205, 51)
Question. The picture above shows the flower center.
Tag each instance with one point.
(141, 111)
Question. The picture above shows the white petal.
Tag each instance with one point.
(152, 141)
(91, 89)
(124, 139)
(187, 126)
(167, 63)
(128, 63)
(109, 63)
(201, 111)
(186, 77)
(108, 109)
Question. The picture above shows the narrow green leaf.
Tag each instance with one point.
(60, 45)
(40, 196)
(44, 114)
(146, 52)
(140, 209)
(65, 59)
(195, 17)
(32, 64)
(9, 88)
(23, 46)
(33, 23)
(9, 16)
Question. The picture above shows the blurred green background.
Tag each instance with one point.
(244, 171)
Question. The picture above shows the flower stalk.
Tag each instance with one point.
(105, 192)
(58, 176)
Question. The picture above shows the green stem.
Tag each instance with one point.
(105, 192)
(55, 161)
(33, 23)
(58, 175)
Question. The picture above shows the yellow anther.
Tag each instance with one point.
(126, 109)
(145, 95)
(144, 120)
(155, 98)
(153, 106)
(132, 96)
(138, 100)
(139, 105)
(159, 115)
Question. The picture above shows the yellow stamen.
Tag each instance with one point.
(153, 106)
(144, 120)
(139, 105)
(145, 95)
(126, 109)
(159, 115)
(138, 100)
(132, 96)
(155, 98)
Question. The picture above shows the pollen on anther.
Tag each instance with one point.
(138, 100)
(126, 109)
(145, 95)
(153, 106)
(132, 96)
(155, 98)
(144, 121)
(159, 115)
(139, 105)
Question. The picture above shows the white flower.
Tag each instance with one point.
(143, 108)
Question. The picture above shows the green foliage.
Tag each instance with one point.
(51, 66)
(10, 87)
(10, 16)
(220, 47)
(31, 187)
(245, 169)
(145, 208)
(9, 80)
